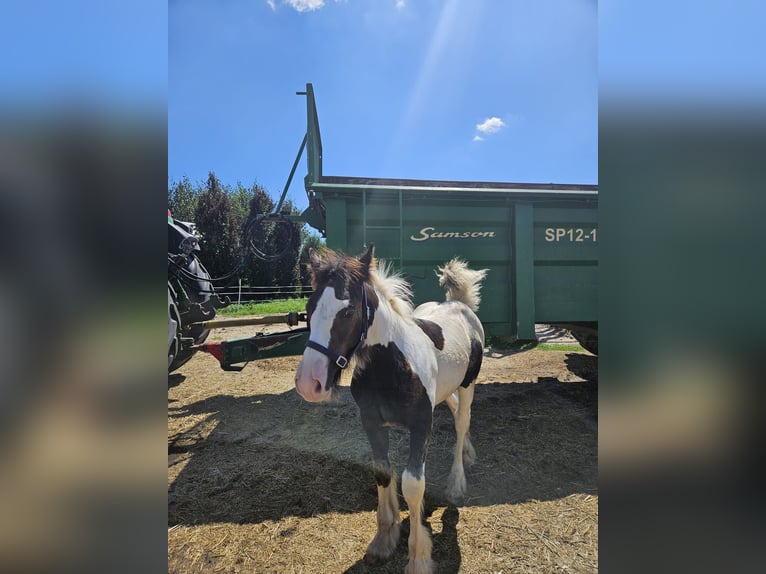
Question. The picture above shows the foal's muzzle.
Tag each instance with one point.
(316, 377)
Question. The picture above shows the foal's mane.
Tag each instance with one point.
(390, 285)
(336, 265)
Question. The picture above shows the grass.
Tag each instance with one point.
(558, 347)
(506, 343)
(265, 307)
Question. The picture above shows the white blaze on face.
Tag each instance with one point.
(311, 376)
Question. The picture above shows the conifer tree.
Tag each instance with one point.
(216, 221)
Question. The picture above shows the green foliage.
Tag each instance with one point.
(240, 197)
(287, 235)
(222, 213)
(271, 239)
(182, 200)
(257, 271)
(310, 241)
(216, 221)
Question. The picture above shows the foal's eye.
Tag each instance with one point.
(348, 312)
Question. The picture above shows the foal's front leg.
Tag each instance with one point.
(413, 489)
(387, 537)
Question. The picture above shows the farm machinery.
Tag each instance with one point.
(538, 240)
(192, 304)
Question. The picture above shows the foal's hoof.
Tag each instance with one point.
(372, 559)
(382, 546)
(456, 490)
(455, 498)
(420, 566)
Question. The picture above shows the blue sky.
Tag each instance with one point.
(434, 89)
(95, 55)
(684, 53)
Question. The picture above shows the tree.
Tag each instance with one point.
(182, 200)
(226, 217)
(216, 221)
(287, 237)
(310, 241)
(257, 236)
(240, 197)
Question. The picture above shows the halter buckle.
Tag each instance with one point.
(341, 361)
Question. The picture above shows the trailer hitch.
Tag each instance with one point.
(260, 346)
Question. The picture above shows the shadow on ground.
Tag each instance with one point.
(263, 457)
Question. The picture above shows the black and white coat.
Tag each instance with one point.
(407, 362)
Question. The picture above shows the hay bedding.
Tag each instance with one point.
(261, 481)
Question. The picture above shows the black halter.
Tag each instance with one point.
(340, 360)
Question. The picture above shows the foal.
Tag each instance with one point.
(407, 362)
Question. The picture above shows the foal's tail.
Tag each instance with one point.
(462, 284)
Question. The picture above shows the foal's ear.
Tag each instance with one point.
(368, 259)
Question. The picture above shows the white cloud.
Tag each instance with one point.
(311, 5)
(305, 5)
(490, 125)
(401, 4)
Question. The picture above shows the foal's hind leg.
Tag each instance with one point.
(387, 536)
(469, 453)
(456, 484)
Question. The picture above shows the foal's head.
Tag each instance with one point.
(339, 313)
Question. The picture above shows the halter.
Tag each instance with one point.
(337, 358)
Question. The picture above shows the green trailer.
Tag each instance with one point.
(539, 241)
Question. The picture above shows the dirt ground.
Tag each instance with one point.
(261, 481)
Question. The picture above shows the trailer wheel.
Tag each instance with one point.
(198, 292)
(176, 355)
(587, 340)
(199, 295)
(174, 330)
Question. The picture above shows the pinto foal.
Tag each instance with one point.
(407, 362)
